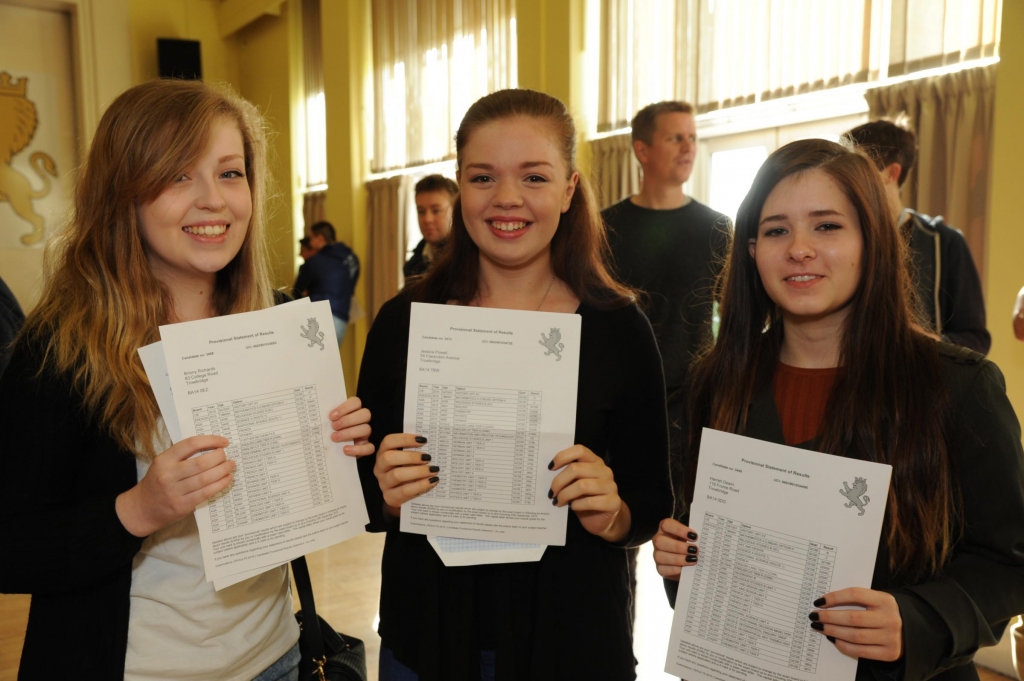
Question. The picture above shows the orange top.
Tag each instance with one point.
(800, 397)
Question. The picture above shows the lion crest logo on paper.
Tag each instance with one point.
(854, 494)
(313, 334)
(553, 344)
(18, 123)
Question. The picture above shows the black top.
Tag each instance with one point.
(417, 263)
(937, 248)
(11, 319)
(567, 616)
(331, 275)
(947, 618)
(674, 257)
(60, 474)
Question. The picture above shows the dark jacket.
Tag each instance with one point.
(947, 283)
(60, 474)
(416, 264)
(947, 618)
(567, 616)
(11, 319)
(331, 275)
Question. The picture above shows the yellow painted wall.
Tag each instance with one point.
(183, 19)
(1004, 271)
(263, 61)
(347, 63)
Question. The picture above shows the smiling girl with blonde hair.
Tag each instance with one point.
(168, 226)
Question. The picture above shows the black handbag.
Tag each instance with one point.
(327, 655)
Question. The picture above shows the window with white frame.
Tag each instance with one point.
(718, 54)
(431, 60)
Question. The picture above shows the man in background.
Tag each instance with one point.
(945, 278)
(330, 274)
(669, 246)
(305, 249)
(435, 196)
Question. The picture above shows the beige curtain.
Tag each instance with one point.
(312, 208)
(385, 214)
(614, 170)
(952, 117)
(431, 60)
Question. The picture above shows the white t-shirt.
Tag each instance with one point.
(180, 628)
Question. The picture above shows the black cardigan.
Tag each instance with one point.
(567, 616)
(947, 618)
(60, 474)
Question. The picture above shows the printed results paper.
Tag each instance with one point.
(779, 527)
(494, 392)
(267, 381)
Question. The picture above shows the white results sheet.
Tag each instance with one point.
(779, 527)
(267, 381)
(494, 393)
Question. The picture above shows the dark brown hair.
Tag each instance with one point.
(889, 403)
(886, 143)
(580, 245)
(437, 183)
(324, 229)
(645, 122)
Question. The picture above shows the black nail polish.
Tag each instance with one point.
(554, 502)
(831, 639)
(813, 617)
(817, 626)
(691, 550)
(551, 494)
(691, 559)
(422, 440)
(434, 469)
(425, 457)
(551, 466)
(820, 603)
(692, 536)
(434, 479)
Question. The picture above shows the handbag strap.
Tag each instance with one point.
(310, 635)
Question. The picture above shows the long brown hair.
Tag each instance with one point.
(579, 248)
(888, 405)
(101, 302)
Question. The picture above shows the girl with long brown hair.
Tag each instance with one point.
(818, 348)
(168, 226)
(525, 236)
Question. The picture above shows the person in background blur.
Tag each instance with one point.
(435, 196)
(943, 273)
(331, 274)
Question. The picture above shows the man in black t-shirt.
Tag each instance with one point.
(669, 246)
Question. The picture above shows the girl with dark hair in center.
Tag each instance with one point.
(819, 349)
(526, 235)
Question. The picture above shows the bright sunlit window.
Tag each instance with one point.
(732, 173)
(431, 60)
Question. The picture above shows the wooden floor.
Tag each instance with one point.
(346, 581)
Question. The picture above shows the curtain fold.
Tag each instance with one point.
(431, 60)
(385, 211)
(313, 208)
(952, 116)
(614, 170)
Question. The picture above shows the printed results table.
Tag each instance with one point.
(276, 442)
(486, 441)
(752, 591)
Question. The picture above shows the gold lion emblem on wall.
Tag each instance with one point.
(18, 122)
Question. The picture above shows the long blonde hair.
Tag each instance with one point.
(101, 302)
